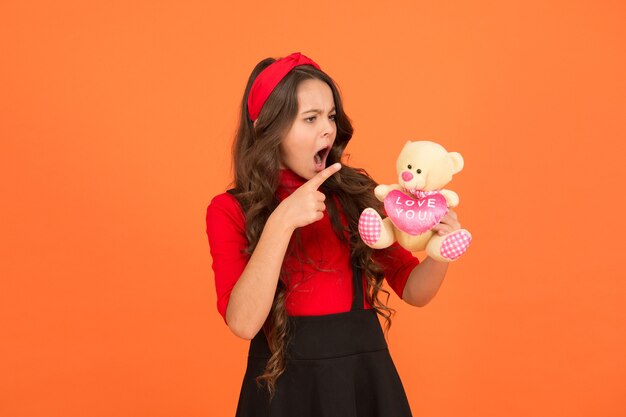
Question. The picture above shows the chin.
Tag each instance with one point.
(304, 173)
(308, 174)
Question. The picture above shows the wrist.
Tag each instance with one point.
(278, 224)
(437, 262)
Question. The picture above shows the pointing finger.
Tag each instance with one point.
(322, 176)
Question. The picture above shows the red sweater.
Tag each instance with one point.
(323, 288)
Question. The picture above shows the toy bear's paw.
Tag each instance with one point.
(455, 244)
(370, 226)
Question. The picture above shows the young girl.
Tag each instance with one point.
(291, 272)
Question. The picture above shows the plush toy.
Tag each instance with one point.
(417, 203)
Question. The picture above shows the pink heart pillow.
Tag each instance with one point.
(415, 215)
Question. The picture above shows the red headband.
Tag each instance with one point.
(269, 78)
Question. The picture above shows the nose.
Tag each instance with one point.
(329, 128)
(407, 176)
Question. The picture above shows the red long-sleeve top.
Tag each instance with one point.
(324, 287)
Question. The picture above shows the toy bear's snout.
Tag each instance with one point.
(407, 176)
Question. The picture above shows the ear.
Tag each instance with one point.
(457, 161)
(408, 142)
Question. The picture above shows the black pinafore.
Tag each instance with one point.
(338, 365)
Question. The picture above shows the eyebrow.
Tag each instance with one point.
(318, 111)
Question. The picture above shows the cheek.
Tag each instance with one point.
(289, 151)
(298, 145)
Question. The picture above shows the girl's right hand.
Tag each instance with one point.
(305, 205)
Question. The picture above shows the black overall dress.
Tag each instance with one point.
(338, 365)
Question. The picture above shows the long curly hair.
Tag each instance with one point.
(256, 178)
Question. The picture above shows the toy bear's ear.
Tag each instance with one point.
(457, 161)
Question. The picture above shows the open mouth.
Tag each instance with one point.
(320, 158)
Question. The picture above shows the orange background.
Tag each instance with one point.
(116, 122)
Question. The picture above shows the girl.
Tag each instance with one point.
(291, 272)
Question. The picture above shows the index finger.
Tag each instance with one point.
(322, 176)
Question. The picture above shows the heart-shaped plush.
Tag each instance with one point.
(415, 215)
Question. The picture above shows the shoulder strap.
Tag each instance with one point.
(357, 296)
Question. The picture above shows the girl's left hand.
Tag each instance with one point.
(449, 223)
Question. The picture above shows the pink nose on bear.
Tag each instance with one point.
(407, 176)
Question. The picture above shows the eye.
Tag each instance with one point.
(333, 117)
(310, 119)
(409, 167)
(419, 171)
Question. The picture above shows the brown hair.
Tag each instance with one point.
(256, 169)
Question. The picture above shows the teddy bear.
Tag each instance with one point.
(417, 203)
